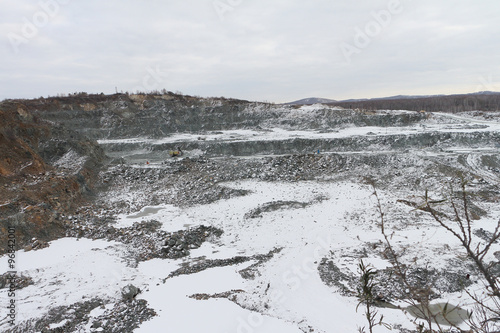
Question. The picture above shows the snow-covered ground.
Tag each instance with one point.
(307, 221)
(288, 292)
(274, 134)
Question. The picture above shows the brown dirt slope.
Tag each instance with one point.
(34, 195)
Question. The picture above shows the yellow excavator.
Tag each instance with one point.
(176, 153)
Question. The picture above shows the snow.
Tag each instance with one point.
(173, 217)
(288, 294)
(68, 271)
(71, 161)
(179, 313)
(444, 123)
(317, 107)
(72, 270)
(62, 323)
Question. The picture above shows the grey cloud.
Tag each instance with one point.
(258, 50)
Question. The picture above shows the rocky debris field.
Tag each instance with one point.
(242, 218)
(389, 287)
(19, 281)
(91, 316)
(247, 273)
(145, 240)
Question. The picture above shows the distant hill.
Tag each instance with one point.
(389, 98)
(312, 100)
(484, 101)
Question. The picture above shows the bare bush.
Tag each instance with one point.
(486, 315)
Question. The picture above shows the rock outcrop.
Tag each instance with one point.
(46, 172)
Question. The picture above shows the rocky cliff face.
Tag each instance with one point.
(125, 116)
(157, 116)
(46, 172)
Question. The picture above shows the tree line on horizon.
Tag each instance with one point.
(453, 103)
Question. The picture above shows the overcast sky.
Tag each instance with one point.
(264, 50)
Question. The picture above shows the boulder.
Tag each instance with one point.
(129, 292)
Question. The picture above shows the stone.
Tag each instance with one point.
(129, 292)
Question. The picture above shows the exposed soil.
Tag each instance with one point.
(36, 194)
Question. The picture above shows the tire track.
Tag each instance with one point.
(474, 162)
